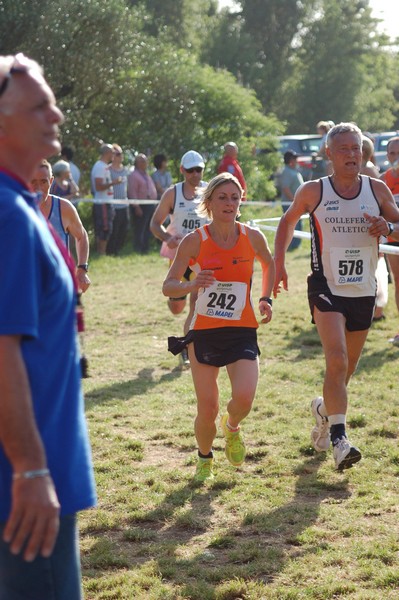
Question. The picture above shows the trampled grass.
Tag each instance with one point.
(285, 525)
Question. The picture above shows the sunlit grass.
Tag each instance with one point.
(285, 525)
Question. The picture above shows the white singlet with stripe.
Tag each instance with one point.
(184, 218)
(344, 256)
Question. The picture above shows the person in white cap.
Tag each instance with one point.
(180, 203)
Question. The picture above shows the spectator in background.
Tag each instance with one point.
(121, 218)
(230, 164)
(391, 178)
(102, 186)
(63, 185)
(291, 179)
(161, 177)
(140, 186)
(67, 154)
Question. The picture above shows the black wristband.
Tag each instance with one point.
(84, 266)
(391, 227)
(266, 299)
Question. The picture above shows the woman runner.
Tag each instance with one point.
(223, 328)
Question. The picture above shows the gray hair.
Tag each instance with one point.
(343, 128)
(204, 209)
(60, 167)
(104, 148)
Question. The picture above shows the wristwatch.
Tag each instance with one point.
(84, 266)
(391, 227)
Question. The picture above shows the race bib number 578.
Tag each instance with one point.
(350, 265)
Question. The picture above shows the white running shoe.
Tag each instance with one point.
(345, 455)
(320, 434)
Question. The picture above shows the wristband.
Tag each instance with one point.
(266, 299)
(84, 266)
(31, 474)
(391, 227)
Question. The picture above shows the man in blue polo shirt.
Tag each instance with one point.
(46, 474)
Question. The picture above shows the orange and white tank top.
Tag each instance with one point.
(226, 303)
(344, 256)
(392, 182)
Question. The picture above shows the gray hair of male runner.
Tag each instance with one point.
(343, 128)
(204, 209)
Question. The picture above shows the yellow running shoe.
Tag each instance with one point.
(235, 448)
(204, 470)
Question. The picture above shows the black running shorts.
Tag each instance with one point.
(358, 312)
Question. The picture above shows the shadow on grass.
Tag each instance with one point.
(125, 390)
(305, 341)
(175, 534)
(370, 361)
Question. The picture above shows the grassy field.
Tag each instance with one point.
(285, 525)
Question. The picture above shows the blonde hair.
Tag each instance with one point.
(204, 209)
(367, 147)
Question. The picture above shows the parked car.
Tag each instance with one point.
(380, 148)
(306, 146)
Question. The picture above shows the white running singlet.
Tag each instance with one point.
(344, 256)
(184, 218)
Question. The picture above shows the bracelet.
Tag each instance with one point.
(266, 299)
(31, 474)
(84, 266)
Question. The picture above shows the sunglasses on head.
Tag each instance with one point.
(20, 65)
(196, 169)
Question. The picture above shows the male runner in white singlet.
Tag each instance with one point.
(348, 214)
(180, 203)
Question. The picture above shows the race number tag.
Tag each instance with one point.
(350, 266)
(223, 300)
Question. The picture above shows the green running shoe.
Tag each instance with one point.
(204, 470)
(235, 448)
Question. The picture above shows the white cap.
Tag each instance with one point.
(192, 159)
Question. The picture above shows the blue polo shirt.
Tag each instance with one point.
(37, 301)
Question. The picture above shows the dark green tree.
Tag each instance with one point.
(257, 43)
(340, 71)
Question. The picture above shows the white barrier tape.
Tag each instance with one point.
(305, 235)
(130, 201)
(127, 201)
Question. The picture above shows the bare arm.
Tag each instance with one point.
(173, 286)
(35, 508)
(305, 200)
(74, 226)
(162, 211)
(263, 255)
